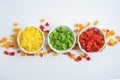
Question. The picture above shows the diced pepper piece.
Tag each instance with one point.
(13, 37)
(8, 44)
(109, 33)
(44, 52)
(23, 53)
(81, 26)
(112, 33)
(4, 39)
(12, 53)
(84, 55)
(72, 56)
(75, 46)
(112, 42)
(42, 28)
(95, 23)
(76, 30)
(15, 45)
(88, 24)
(15, 24)
(38, 54)
(41, 55)
(42, 20)
(47, 24)
(104, 30)
(67, 53)
(118, 38)
(18, 51)
(79, 58)
(88, 58)
(55, 54)
(3, 45)
(48, 49)
(6, 52)
(30, 54)
(16, 30)
(76, 24)
(46, 32)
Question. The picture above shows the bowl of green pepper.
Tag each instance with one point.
(61, 39)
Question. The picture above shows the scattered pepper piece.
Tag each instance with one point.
(47, 24)
(88, 24)
(79, 58)
(67, 53)
(112, 42)
(55, 54)
(16, 30)
(95, 23)
(112, 33)
(48, 48)
(88, 58)
(23, 53)
(18, 51)
(15, 45)
(8, 44)
(41, 55)
(104, 30)
(72, 56)
(12, 53)
(30, 54)
(46, 32)
(81, 26)
(75, 46)
(76, 25)
(3, 45)
(84, 55)
(109, 33)
(13, 37)
(4, 39)
(76, 30)
(6, 52)
(38, 54)
(118, 38)
(15, 24)
(44, 52)
(42, 28)
(42, 20)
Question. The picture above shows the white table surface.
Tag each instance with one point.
(103, 66)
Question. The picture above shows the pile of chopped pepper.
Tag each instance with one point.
(112, 40)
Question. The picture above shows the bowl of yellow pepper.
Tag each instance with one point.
(30, 39)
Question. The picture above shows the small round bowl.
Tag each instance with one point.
(84, 30)
(18, 41)
(61, 51)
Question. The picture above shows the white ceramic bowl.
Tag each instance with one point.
(18, 41)
(84, 30)
(61, 51)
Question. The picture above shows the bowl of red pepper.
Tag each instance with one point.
(91, 39)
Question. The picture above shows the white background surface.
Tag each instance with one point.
(103, 66)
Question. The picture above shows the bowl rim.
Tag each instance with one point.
(18, 42)
(59, 51)
(85, 29)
